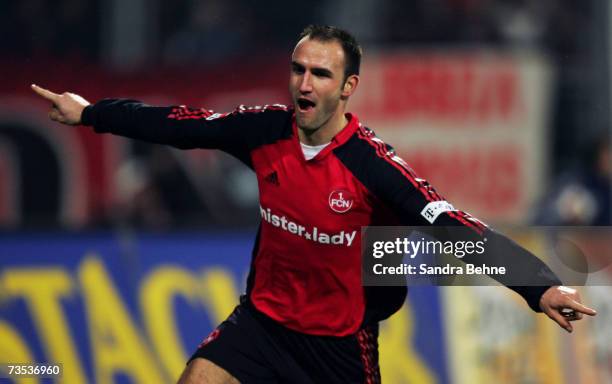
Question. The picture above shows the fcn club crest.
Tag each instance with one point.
(340, 201)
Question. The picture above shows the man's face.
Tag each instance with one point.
(316, 81)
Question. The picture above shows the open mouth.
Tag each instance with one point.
(305, 104)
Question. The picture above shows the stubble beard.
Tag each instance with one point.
(307, 127)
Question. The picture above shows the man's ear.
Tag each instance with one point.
(350, 85)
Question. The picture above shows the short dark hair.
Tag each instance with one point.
(350, 46)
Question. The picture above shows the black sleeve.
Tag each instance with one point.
(416, 203)
(237, 132)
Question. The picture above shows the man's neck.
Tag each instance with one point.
(325, 133)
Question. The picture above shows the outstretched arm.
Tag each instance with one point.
(236, 132)
(416, 203)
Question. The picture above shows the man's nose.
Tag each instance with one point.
(306, 83)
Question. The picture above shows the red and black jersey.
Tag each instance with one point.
(306, 263)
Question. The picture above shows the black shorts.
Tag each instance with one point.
(255, 349)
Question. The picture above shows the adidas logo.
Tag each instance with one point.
(272, 178)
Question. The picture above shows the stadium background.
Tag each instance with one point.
(117, 258)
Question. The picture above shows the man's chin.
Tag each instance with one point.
(305, 125)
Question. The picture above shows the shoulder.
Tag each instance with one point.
(268, 111)
(263, 124)
(366, 153)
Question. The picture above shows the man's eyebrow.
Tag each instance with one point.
(319, 71)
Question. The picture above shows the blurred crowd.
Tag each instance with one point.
(581, 195)
(208, 32)
(42, 28)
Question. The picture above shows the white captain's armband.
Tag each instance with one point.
(435, 208)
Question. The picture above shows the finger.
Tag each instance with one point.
(562, 321)
(45, 93)
(55, 115)
(576, 306)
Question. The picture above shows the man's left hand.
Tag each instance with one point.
(562, 304)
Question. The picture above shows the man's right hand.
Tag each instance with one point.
(66, 108)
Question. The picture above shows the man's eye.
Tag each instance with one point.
(298, 70)
(321, 73)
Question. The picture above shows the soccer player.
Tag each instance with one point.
(322, 175)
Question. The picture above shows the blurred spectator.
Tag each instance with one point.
(30, 27)
(157, 190)
(47, 28)
(137, 200)
(363, 18)
(154, 192)
(279, 22)
(521, 22)
(582, 196)
(441, 21)
(77, 29)
(214, 31)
